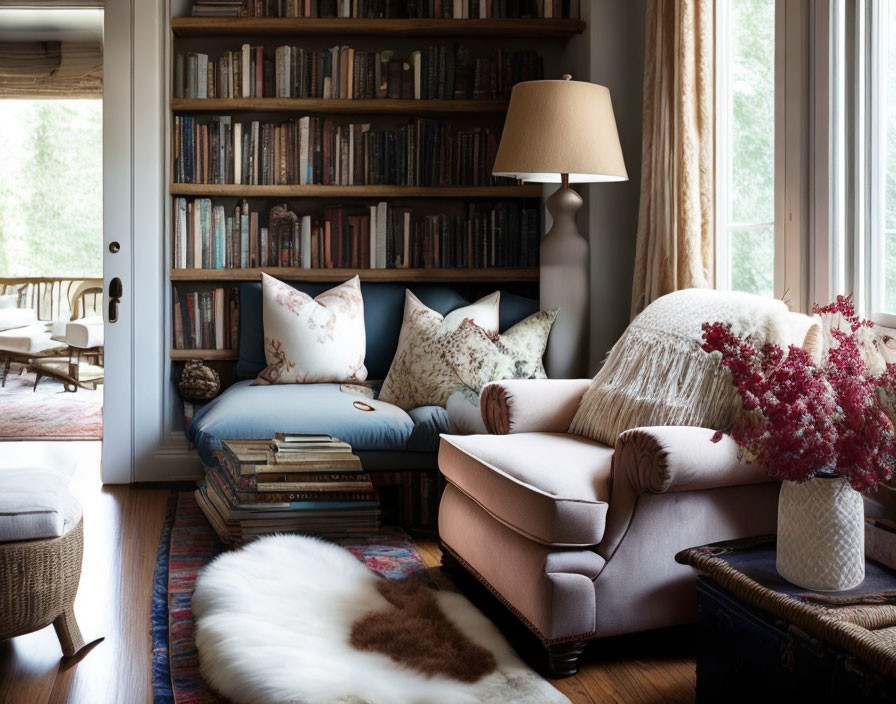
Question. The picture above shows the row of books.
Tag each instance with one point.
(293, 483)
(312, 150)
(436, 73)
(206, 319)
(206, 236)
(437, 9)
(409, 499)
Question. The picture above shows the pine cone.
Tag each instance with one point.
(198, 382)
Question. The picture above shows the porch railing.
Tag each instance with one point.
(53, 297)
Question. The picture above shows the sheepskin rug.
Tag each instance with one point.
(275, 622)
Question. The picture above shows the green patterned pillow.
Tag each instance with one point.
(516, 354)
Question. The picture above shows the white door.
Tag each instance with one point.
(133, 188)
(118, 463)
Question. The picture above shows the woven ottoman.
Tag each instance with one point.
(41, 546)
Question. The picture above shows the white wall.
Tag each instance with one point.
(611, 52)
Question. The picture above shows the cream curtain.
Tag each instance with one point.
(675, 218)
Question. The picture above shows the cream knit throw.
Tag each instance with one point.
(657, 373)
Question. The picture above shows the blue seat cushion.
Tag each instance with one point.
(245, 412)
(429, 423)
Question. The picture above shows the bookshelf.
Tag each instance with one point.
(339, 27)
(327, 191)
(493, 275)
(413, 500)
(344, 106)
(214, 36)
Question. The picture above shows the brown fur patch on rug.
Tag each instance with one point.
(418, 634)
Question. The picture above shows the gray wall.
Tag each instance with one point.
(611, 52)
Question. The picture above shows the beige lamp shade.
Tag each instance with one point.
(560, 127)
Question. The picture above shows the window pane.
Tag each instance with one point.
(890, 199)
(753, 260)
(51, 199)
(752, 104)
(886, 210)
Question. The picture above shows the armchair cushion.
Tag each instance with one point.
(549, 487)
(531, 405)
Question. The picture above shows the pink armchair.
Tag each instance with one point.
(578, 539)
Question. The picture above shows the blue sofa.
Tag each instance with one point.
(386, 438)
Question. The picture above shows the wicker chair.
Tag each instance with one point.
(38, 583)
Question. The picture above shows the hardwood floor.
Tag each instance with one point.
(122, 526)
(121, 533)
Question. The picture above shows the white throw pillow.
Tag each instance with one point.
(422, 372)
(9, 300)
(312, 340)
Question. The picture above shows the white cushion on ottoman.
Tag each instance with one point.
(36, 503)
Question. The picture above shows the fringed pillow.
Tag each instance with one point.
(658, 374)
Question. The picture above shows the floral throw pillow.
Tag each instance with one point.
(516, 354)
(422, 373)
(312, 340)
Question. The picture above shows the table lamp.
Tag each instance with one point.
(562, 132)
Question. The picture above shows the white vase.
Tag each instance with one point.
(821, 534)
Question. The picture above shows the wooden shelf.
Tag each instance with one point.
(384, 106)
(321, 191)
(413, 28)
(501, 274)
(204, 354)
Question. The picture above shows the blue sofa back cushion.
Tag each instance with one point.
(383, 310)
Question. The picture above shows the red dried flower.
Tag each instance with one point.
(800, 419)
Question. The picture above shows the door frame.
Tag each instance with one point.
(133, 171)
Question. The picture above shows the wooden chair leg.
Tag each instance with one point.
(563, 658)
(67, 630)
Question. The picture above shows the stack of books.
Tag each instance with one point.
(309, 484)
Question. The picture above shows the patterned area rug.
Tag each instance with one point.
(49, 412)
(186, 546)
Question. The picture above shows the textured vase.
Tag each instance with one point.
(821, 534)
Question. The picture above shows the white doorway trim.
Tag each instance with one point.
(133, 187)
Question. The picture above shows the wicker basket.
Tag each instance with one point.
(38, 583)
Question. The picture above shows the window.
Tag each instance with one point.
(745, 145)
(882, 151)
(51, 201)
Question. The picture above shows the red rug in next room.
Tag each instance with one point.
(48, 413)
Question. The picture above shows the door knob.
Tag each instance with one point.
(115, 293)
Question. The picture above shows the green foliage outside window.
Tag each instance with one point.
(752, 143)
(51, 198)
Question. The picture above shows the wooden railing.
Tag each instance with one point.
(54, 297)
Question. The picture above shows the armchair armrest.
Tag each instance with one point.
(662, 459)
(714, 495)
(530, 405)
